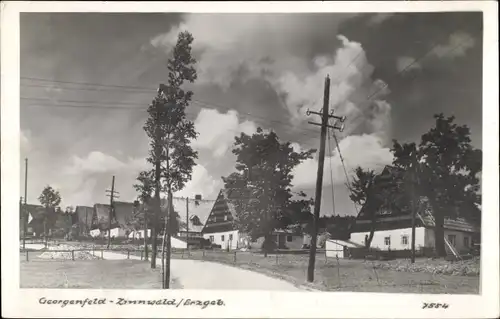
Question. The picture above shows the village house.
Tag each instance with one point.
(220, 229)
(192, 215)
(84, 219)
(42, 219)
(393, 229)
(120, 222)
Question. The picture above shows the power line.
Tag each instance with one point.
(331, 173)
(345, 170)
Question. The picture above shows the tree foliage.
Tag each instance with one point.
(171, 133)
(49, 197)
(264, 176)
(446, 167)
(50, 200)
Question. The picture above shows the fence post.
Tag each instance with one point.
(234, 260)
(128, 254)
(27, 253)
(203, 253)
(141, 254)
(102, 253)
(73, 255)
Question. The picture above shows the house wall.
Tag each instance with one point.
(179, 244)
(459, 245)
(293, 241)
(217, 239)
(396, 242)
(95, 233)
(334, 249)
(139, 234)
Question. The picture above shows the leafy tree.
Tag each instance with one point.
(447, 169)
(144, 188)
(362, 192)
(264, 175)
(171, 133)
(50, 200)
(374, 192)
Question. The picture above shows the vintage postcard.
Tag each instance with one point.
(253, 160)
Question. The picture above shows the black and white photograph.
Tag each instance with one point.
(305, 152)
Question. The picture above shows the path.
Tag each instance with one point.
(196, 274)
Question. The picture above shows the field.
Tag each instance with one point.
(95, 274)
(330, 274)
(346, 275)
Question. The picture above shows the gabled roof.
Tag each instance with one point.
(122, 215)
(37, 212)
(199, 208)
(84, 215)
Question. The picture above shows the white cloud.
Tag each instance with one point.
(407, 63)
(379, 18)
(217, 130)
(366, 151)
(249, 41)
(271, 48)
(25, 141)
(457, 45)
(201, 183)
(98, 162)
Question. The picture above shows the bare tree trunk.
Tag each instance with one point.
(167, 240)
(145, 234)
(437, 213)
(439, 234)
(157, 212)
(167, 270)
(163, 272)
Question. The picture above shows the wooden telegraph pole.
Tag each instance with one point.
(24, 211)
(413, 180)
(112, 197)
(319, 180)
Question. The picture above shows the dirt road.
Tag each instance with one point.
(196, 274)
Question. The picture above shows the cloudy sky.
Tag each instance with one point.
(87, 78)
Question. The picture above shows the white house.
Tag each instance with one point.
(220, 230)
(339, 248)
(393, 229)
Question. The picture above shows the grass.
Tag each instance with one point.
(344, 275)
(95, 274)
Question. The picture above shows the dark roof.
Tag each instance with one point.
(37, 212)
(84, 215)
(398, 218)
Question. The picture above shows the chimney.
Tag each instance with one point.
(197, 199)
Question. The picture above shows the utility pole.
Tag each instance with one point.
(112, 197)
(24, 212)
(319, 180)
(413, 177)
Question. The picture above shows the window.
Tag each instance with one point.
(387, 241)
(466, 241)
(222, 237)
(212, 239)
(289, 239)
(452, 239)
(404, 240)
(230, 237)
